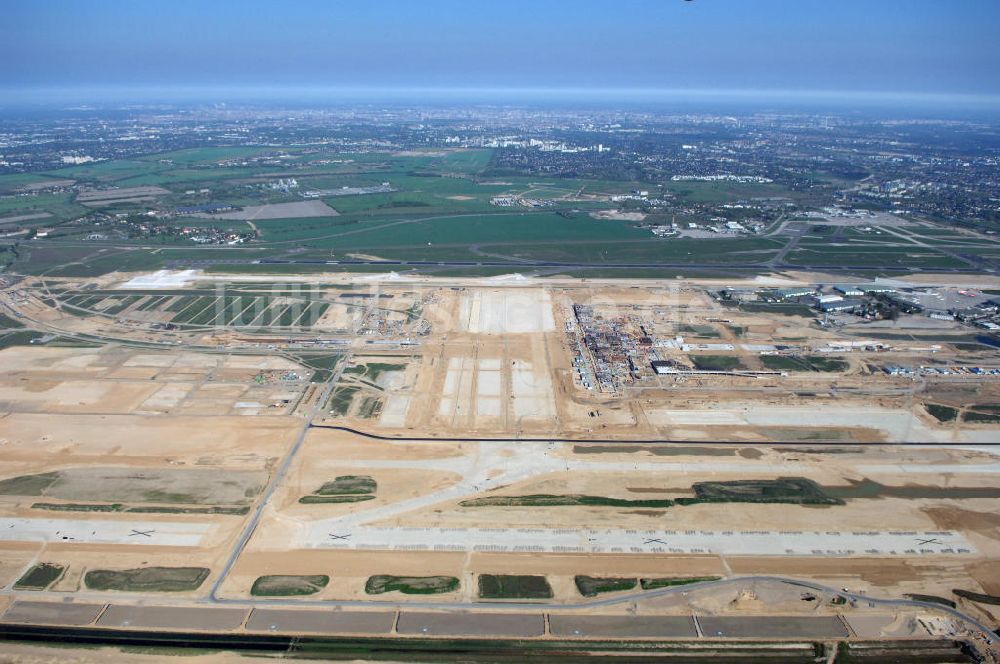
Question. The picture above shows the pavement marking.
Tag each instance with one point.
(570, 540)
(168, 533)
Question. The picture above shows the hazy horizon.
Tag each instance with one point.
(896, 51)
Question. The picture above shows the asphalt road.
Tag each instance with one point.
(664, 441)
(165, 615)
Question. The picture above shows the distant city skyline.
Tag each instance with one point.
(885, 50)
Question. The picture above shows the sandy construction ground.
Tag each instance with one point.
(480, 383)
(506, 311)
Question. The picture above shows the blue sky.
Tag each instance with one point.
(911, 46)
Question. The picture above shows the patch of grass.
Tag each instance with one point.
(982, 412)
(215, 509)
(39, 577)
(549, 500)
(280, 585)
(6, 322)
(503, 586)
(934, 599)
(373, 370)
(977, 597)
(160, 496)
(670, 581)
(340, 400)
(941, 413)
(705, 331)
(590, 586)
(793, 490)
(79, 507)
(716, 362)
(27, 485)
(22, 338)
(147, 579)
(783, 309)
(411, 585)
(348, 484)
(796, 490)
(825, 364)
(370, 408)
(782, 363)
(313, 499)
(343, 489)
(803, 363)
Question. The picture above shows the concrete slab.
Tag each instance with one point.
(52, 613)
(470, 624)
(773, 627)
(103, 531)
(173, 617)
(320, 621)
(622, 626)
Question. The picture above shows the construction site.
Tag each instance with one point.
(585, 459)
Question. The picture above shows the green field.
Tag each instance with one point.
(278, 585)
(347, 485)
(501, 586)
(411, 585)
(440, 211)
(670, 581)
(147, 579)
(716, 362)
(590, 586)
(803, 363)
(39, 577)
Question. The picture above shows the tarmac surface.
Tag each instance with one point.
(330, 533)
(471, 624)
(806, 627)
(623, 626)
(321, 622)
(207, 619)
(160, 533)
(52, 613)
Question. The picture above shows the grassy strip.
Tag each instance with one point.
(549, 500)
(143, 509)
(670, 581)
(313, 499)
(934, 599)
(790, 490)
(80, 507)
(411, 585)
(590, 586)
(977, 597)
(348, 485)
(215, 509)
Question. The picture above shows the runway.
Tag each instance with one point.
(158, 533)
(326, 534)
